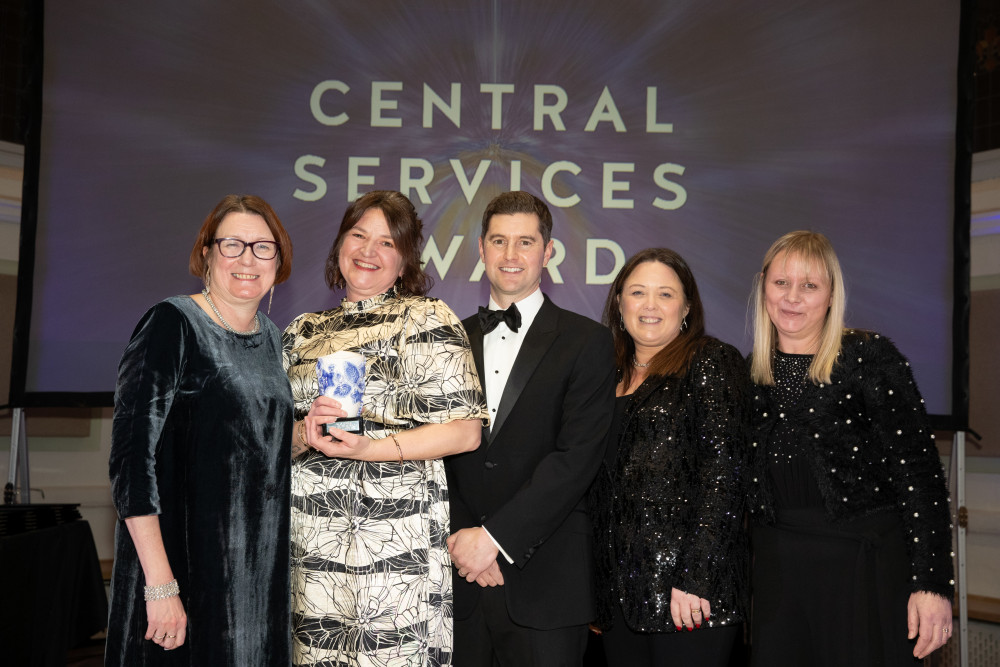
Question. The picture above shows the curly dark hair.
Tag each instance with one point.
(407, 236)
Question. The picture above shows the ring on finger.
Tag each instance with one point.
(159, 638)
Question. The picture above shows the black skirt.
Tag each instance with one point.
(828, 593)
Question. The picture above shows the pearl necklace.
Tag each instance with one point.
(636, 363)
(256, 321)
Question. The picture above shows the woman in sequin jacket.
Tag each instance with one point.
(852, 542)
(668, 502)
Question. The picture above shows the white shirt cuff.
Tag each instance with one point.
(497, 545)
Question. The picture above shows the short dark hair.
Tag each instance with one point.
(676, 356)
(198, 263)
(407, 235)
(519, 201)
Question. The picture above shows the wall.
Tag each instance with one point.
(67, 449)
(983, 457)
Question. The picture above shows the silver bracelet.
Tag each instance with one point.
(167, 590)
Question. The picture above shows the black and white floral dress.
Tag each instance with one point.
(371, 576)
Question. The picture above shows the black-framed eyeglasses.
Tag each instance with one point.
(233, 248)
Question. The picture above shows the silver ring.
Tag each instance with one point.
(160, 637)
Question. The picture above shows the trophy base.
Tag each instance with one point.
(355, 425)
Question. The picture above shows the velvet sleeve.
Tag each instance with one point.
(900, 424)
(149, 376)
(719, 431)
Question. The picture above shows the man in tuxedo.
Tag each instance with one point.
(522, 541)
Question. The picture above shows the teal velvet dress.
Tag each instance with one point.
(201, 437)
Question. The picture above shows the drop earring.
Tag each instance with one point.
(269, 300)
(684, 323)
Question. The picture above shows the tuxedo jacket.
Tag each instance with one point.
(527, 482)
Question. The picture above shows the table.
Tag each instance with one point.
(52, 594)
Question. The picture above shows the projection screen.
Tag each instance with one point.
(708, 127)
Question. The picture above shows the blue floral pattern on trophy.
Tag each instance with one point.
(342, 379)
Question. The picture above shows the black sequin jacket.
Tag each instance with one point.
(670, 513)
(874, 450)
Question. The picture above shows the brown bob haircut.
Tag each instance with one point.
(676, 356)
(407, 235)
(518, 201)
(198, 264)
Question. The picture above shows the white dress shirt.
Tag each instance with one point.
(500, 348)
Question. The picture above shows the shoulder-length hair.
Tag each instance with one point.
(815, 249)
(198, 262)
(675, 358)
(407, 235)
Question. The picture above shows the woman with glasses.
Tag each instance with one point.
(200, 461)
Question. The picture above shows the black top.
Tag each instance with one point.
(668, 512)
(870, 448)
(788, 465)
(611, 452)
(201, 437)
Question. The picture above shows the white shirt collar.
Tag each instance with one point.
(528, 307)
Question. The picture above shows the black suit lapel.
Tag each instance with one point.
(537, 341)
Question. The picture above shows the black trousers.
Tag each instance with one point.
(489, 638)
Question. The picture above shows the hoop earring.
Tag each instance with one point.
(269, 300)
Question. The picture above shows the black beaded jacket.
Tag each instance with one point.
(874, 450)
(669, 512)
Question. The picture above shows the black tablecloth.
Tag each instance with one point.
(51, 594)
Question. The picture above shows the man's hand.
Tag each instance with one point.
(473, 552)
(491, 576)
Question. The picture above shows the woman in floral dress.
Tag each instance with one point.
(371, 580)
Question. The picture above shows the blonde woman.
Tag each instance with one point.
(852, 536)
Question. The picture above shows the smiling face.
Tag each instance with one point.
(244, 278)
(797, 296)
(652, 306)
(368, 259)
(514, 255)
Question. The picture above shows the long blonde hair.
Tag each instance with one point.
(811, 248)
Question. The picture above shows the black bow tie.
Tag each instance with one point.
(491, 319)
